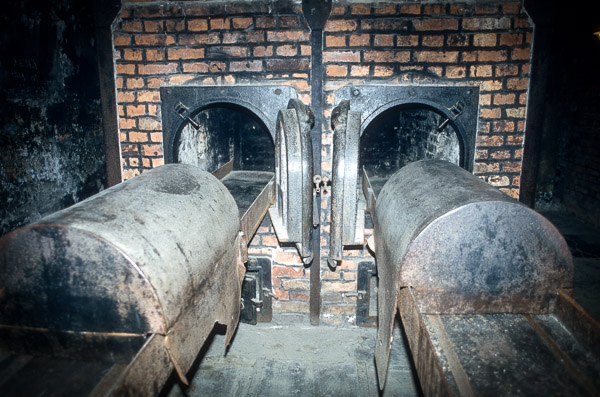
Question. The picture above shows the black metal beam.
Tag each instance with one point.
(316, 14)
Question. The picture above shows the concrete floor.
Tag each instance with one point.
(292, 360)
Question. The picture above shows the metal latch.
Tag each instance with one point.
(182, 112)
(321, 182)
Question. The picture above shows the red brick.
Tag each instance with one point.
(436, 56)
(158, 162)
(299, 295)
(434, 9)
(282, 295)
(126, 124)
(491, 85)
(133, 110)
(288, 35)
(387, 56)
(486, 23)
(287, 50)
(384, 9)
(148, 96)
(412, 9)
(523, 99)
(132, 55)
(206, 38)
(504, 99)
(146, 162)
(359, 40)
(153, 111)
(456, 72)
(518, 155)
(153, 26)
(197, 67)
(485, 99)
(155, 55)
(133, 161)
(232, 51)
(433, 41)
(241, 23)
(119, 82)
(286, 271)
(156, 137)
(520, 54)
(511, 39)
(136, 136)
(383, 40)
(336, 71)
(197, 25)
(500, 154)
(494, 113)
(289, 21)
(490, 140)
(335, 41)
(245, 66)
(130, 149)
(457, 40)
(503, 126)
(175, 25)
(341, 56)
(131, 26)
(243, 37)
(521, 23)
(435, 24)
(339, 287)
(517, 84)
(383, 71)
(407, 41)
(360, 9)
(514, 140)
(152, 150)
(262, 51)
(498, 180)
(287, 65)
(185, 53)
(390, 24)
(481, 71)
(125, 96)
(511, 8)
(219, 23)
(515, 112)
(482, 168)
(153, 39)
(121, 110)
(481, 154)
(341, 25)
(359, 70)
(338, 10)
(127, 68)
(491, 56)
(484, 40)
(147, 124)
(507, 70)
(265, 22)
(511, 166)
(154, 68)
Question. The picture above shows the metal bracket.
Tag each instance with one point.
(183, 112)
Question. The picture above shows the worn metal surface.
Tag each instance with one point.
(459, 105)
(262, 101)
(136, 258)
(463, 246)
(344, 182)
(292, 213)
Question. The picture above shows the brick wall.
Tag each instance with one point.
(158, 44)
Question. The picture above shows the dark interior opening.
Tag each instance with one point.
(405, 134)
(221, 132)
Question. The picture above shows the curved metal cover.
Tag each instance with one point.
(463, 247)
(459, 104)
(263, 101)
(133, 258)
(344, 183)
(292, 213)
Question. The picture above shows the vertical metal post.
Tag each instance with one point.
(316, 13)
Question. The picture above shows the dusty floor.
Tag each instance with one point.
(292, 360)
(268, 360)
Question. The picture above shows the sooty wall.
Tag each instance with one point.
(52, 151)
